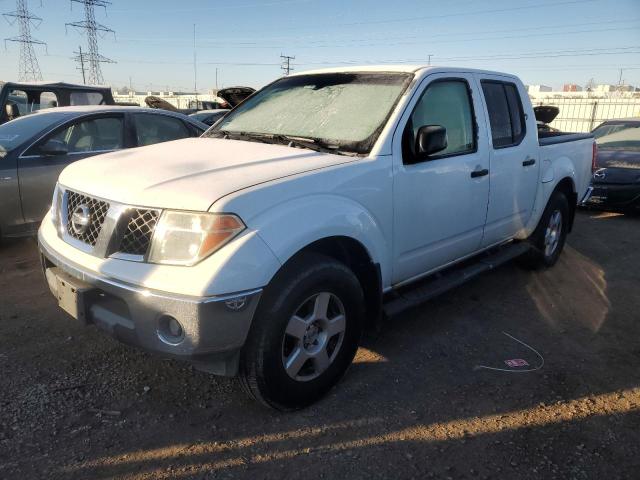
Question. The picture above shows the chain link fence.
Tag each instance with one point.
(584, 114)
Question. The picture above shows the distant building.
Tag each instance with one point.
(539, 88)
(571, 87)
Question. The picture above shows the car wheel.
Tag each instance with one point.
(305, 333)
(548, 239)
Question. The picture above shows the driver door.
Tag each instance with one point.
(440, 202)
(38, 171)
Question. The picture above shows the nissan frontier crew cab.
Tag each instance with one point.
(321, 204)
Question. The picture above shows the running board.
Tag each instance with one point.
(455, 276)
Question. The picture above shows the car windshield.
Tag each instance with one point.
(618, 136)
(16, 132)
(341, 112)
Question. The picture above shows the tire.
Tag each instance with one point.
(548, 239)
(290, 329)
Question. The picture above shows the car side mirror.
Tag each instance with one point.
(54, 147)
(12, 111)
(430, 139)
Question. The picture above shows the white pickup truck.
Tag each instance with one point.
(323, 203)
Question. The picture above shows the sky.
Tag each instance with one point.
(549, 42)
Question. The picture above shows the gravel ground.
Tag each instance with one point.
(76, 404)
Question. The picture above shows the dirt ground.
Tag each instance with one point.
(76, 404)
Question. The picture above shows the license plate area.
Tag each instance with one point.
(72, 294)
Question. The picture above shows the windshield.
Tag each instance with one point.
(618, 136)
(16, 132)
(342, 111)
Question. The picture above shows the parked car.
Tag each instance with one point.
(19, 99)
(34, 149)
(616, 176)
(321, 203)
(209, 116)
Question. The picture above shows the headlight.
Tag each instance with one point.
(185, 238)
(56, 203)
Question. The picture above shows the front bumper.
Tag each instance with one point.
(214, 328)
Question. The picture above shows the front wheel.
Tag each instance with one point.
(305, 332)
(548, 239)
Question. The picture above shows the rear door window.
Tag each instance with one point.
(47, 100)
(158, 128)
(506, 115)
(86, 98)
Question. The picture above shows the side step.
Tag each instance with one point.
(440, 282)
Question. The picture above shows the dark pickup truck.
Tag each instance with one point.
(18, 99)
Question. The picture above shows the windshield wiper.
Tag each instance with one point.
(315, 144)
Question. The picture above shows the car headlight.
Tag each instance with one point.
(185, 238)
(56, 203)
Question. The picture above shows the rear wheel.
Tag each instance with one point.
(548, 239)
(305, 332)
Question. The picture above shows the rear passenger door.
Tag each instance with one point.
(514, 158)
(153, 128)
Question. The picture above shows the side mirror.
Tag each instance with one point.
(12, 111)
(54, 147)
(430, 139)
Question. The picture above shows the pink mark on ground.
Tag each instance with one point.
(517, 362)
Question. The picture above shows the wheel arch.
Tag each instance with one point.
(356, 257)
(568, 187)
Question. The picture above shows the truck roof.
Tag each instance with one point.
(398, 68)
(60, 85)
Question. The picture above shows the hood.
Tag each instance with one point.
(189, 174)
(617, 167)
(235, 95)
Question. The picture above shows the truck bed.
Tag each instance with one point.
(552, 138)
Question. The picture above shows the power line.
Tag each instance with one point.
(29, 68)
(91, 29)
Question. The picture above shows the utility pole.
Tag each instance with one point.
(429, 60)
(28, 69)
(286, 64)
(195, 66)
(91, 29)
(216, 80)
(80, 58)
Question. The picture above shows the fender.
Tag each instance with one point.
(286, 229)
(553, 172)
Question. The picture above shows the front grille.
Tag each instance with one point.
(97, 212)
(140, 227)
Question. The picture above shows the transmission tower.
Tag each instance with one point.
(29, 69)
(92, 28)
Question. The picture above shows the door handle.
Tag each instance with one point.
(479, 173)
(528, 162)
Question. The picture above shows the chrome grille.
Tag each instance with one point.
(137, 237)
(97, 212)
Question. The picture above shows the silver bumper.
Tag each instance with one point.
(213, 328)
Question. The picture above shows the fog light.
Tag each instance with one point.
(169, 330)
